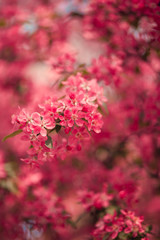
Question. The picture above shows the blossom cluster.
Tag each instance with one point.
(91, 200)
(107, 69)
(63, 123)
(126, 225)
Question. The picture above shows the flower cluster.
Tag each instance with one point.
(126, 225)
(91, 200)
(107, 69)
(50, 208)
(64, 123)
(64, 63)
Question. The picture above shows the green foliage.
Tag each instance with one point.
(12, 135)
(49, 142)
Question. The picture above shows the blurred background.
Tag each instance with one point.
(43, 43)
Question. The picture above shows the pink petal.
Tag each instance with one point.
(36, 118)
(43, 132)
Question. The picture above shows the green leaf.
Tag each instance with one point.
(100, 110)
(149, 229)
(12, 135)
(111, 209)
(49, 142)
(58, 128)
(10, 185)
(103, 109)
(11, 168)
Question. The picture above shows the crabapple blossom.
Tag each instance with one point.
(79, 158)
(113, 226)
(76, 113)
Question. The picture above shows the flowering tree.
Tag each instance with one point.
(80, 120)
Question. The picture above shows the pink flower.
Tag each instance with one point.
(41, 124)
(126, 222)
(95, 122)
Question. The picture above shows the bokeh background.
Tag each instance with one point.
(42, 43)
